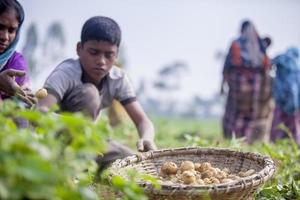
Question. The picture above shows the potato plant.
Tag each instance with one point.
(52, 159)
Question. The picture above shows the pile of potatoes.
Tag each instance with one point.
(198, 173)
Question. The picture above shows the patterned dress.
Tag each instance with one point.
(249, 105)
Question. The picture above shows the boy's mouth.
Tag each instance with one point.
(99, 70)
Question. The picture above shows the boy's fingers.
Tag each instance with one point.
(140, 145)
(149, 145)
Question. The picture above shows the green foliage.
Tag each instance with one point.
(52, 159)
(286, 183)
(130, 186)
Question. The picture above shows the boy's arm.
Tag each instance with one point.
(44, 104)
(56, 84)
(144, 126)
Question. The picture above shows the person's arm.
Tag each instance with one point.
(46, 103)
(144, 126)
(56, 84)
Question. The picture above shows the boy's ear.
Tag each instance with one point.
(78, 48)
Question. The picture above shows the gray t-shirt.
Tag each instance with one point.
(68, 76)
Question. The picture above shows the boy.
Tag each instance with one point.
(90, 83)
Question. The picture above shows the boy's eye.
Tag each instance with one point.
(92, 52)
(109, 55)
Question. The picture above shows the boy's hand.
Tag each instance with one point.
(144, 145)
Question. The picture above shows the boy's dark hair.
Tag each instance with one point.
(6, 5)
(101, 29)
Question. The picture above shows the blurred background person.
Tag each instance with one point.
(286, 92)
(248, 109)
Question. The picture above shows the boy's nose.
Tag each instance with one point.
(101, 60)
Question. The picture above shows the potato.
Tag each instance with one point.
(217, 170)
(187, 166)
(241, 174)
(246, 173)
(188, 177)
(204, 166)
(199, 173)
(213, 170)
(169, 168)
(232, 176)
(41, 93)
(207, 174)
(200, 182)
(207, 181)
(226, 170)
(221, 175)
(214, 180)
(197, 166)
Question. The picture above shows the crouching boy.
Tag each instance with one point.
(91, 82)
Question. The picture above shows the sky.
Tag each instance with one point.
(157, 33)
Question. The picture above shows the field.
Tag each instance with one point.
(172, 132)
(53, 159)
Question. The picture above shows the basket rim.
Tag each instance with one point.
(257, 178)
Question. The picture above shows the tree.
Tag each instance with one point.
(30, 47)
(168, 83)
(54, 44)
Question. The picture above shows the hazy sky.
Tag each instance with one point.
(158, 32)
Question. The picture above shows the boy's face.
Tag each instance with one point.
(97, 58)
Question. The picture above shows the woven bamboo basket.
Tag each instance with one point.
(243, 188)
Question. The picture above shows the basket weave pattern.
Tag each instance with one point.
(243, 188)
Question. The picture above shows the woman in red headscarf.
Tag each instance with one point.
(249, 105)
